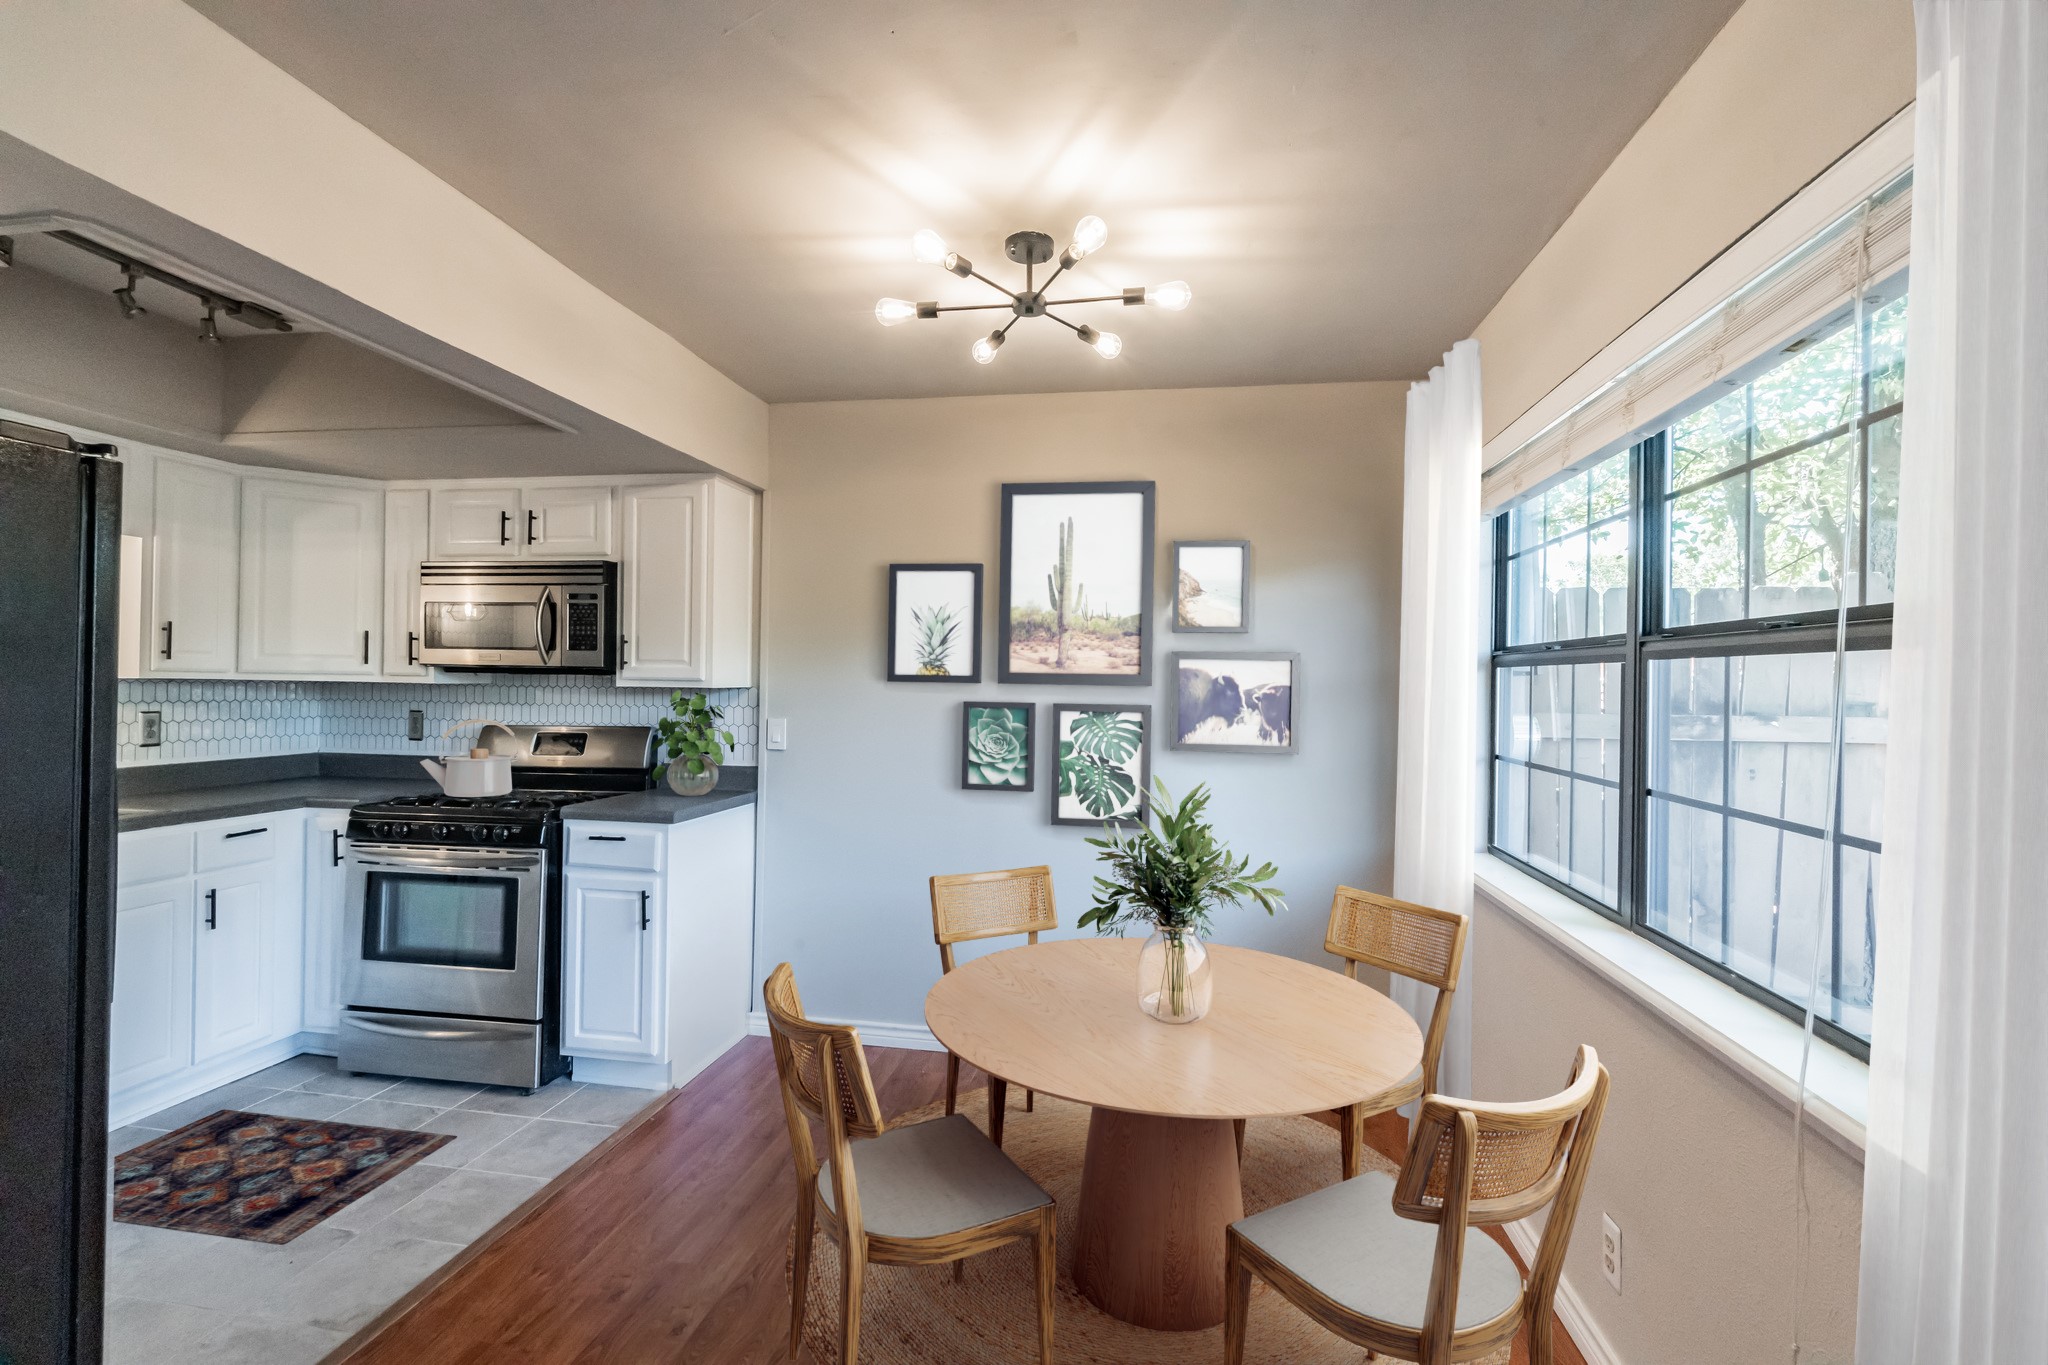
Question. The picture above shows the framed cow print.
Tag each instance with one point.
(1236, 702)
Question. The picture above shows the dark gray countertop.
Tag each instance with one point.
(657, 807)
(155, 809)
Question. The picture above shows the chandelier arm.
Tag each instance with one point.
(970, 307)
(1098, 298)
(992, 284)
(1063, 322)
(1055, 275)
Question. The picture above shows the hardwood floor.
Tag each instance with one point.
(671, 1247)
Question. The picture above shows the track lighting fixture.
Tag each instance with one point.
(1030, 250)
(125, 296)
(207, 331)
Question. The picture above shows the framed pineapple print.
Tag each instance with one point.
(935, 623)
(1102, 763)
(996, 745)
(1075, 584)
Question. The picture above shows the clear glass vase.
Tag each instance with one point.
(1173, 976)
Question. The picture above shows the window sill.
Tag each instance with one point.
(1757, 1041)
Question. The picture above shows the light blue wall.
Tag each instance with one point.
(865, 803)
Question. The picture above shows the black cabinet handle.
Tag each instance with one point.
(212, 909)
(167, 639)
(245, 833)
(643, 912)
(504, 528)
(606, 838)
(529, 527)
(624, 654)
(366, 646)
(412, 647)
(337, 846)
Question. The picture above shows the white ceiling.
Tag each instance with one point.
(1348, 187)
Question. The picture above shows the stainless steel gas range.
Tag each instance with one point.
(452, 942)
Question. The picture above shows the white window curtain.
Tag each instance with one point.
(1955, 1222)
(1442, 652)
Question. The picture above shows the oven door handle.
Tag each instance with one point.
(489, 862)
(435, 1029)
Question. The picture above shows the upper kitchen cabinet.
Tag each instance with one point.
(507, 523)
(686, 584)
(406, 543)
(193, 567)
(312, 578)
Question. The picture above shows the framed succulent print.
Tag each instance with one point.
(1103, 764)
(1212, 586)
(935, 623)
(995, 745)
(1236, 702)
(1076, 583)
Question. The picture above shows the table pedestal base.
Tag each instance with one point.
(1156, 1196)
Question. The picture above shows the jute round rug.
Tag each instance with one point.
(917, 1315)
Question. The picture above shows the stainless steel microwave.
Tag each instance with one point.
(551, 616)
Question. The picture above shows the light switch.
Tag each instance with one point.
(778, 732)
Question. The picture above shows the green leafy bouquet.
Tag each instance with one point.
(690, 732)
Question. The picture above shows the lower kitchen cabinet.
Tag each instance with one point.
(149, 1035)
(232, 978)
(326, 907)
(656, 958)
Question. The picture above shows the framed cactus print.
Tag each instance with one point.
(1075, 582)
(934, 623)
(1102, 763)
(996, 745)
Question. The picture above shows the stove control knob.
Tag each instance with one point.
(503, 834)
(444, 831)
(479, 834)
(385, 830)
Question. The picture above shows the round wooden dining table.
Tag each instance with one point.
(1160, 1180)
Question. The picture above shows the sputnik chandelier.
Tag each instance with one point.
(1030, 250)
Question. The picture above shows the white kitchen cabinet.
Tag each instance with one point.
(312, 578)
(568, 523)
(686, 584)
(194, 569)
(149, 1035)
(232, 969)
(477, 523)
(326, 907)
(612, 955)
(405, 546)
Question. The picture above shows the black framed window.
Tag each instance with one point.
(1664, 671)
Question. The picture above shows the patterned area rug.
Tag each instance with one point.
(256, 1177)
(917, 1315)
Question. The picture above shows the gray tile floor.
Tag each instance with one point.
(178, 1297)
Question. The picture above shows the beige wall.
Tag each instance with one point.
(866, 803)
(1784, 89)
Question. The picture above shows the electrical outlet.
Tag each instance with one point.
(152, 729)
(1610, 1251)
(415, 725)
(778, 732)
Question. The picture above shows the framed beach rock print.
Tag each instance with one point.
(1212, 586)
(1102, 763)
(1076, 583)
(1232, 702)
(995, 745)
(935, 623)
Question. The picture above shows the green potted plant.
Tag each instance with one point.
(1173, 878)
(692, 742)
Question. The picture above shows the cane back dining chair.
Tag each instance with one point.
(1361, 1258)
(972, 905)
(1414, 941)
(924, 1194)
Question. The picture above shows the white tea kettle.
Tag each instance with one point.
(477, 773)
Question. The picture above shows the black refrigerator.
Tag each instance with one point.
(60, 553)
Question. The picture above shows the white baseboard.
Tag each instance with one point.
(138, 1102)
(872, 1032)
(1570, 1308)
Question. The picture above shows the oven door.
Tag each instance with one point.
(491, 625)
(445, 931)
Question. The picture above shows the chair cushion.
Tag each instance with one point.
(1347, 1242)
(934, 1178)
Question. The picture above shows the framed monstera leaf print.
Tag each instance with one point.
(1103, 764)
(995, 746)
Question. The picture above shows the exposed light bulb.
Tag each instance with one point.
(892, 312)
(1108, 345)
(1089, 235)
(985, 349)
(1173, 296)
(928, 247)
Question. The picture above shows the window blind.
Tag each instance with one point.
(1802, 290)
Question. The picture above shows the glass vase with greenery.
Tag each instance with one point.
(1171, 873)
(689, 745)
